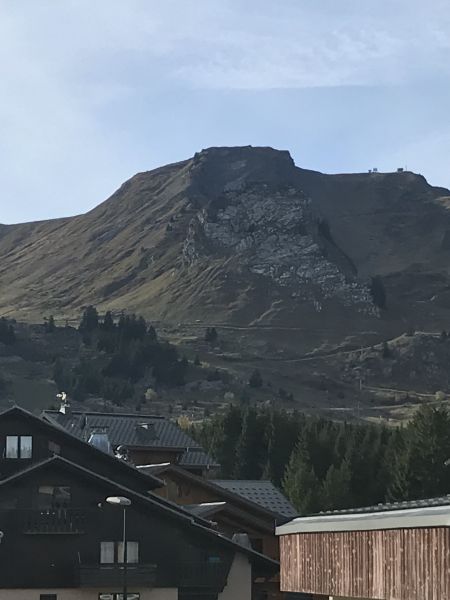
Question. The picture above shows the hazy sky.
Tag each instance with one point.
(92, 91)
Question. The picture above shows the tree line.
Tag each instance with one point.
(325, 465)
(126, 350)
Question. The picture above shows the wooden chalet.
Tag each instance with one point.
(387, 552)
(145, 438)
(249, 508)
(61, 540)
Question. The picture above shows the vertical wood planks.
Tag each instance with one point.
(399, 564)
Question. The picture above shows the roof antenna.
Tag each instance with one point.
(65, 404)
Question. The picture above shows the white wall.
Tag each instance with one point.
(85, 594)
(239, 584)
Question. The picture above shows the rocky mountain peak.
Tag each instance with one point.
(224, 169)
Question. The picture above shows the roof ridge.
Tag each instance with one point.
(112, 414)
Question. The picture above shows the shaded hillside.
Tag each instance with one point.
(242, 236)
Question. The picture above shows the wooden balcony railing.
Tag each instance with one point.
(53, 521)
(112, 575)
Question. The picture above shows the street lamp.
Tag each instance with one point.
(123, 502)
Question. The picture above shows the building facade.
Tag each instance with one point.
(61, 539)
(390, 552)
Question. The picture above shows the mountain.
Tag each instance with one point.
(242, 236)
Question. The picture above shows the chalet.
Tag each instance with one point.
(388, 552)
(61, 540)
(250, 508)
(145, 438)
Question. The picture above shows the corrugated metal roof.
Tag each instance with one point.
(127, 429)
(263, 493)
(390, 506)
(197, 458)
(134, 430)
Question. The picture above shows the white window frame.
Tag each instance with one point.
(117, 552)
(16, 449)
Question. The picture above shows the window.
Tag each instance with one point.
(54, 448)
(12, 446)
(112, 552)
(51, 496)
(132, 552)
(19, 446)
(48, 597)
(112, 596)
(106, 552)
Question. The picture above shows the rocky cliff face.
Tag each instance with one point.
(275, 232)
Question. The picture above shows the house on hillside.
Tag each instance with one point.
(145, 438)
(236, 508)
(61, 539)
(388, 552)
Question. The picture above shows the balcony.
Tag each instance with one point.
(204, 575)
(53, 521)
(112, 575)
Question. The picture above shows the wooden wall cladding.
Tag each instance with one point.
(399, 564)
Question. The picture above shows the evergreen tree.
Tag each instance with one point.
(49, 324)
(300, 482)
(336, 489)
(249, 460)
(89, 320)
(378, 292)
(255, 380)
(197, 362)
(7, 332)
(211, 335)
(108, 322)
(429, 451)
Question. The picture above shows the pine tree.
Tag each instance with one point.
(255, 380)
(249, 461)
(89, 320)
(49, 324)
(378, 292)
(429, 451)
(336, 492)
(108, 322)
(300, 482)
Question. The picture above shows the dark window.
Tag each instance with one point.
(54, 448)
(53, 496)
(19, 446)
(48, 597)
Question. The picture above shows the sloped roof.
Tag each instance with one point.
(170, 509)
(204, 510)
(428, 512)
(263, 493)
(196, 458)
(134, 430)
(391, 506)
(51, 425)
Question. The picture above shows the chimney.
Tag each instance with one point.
(65, 407)
(99, 439)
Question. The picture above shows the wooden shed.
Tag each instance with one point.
(388, 552)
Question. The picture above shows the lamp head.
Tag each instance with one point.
(118, 500)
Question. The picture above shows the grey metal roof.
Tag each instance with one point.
(133, 430)
(392, 506)
(197, 458)
(263, 493)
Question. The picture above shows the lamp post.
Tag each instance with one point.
(123, 502)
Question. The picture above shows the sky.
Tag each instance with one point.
(92, 92)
